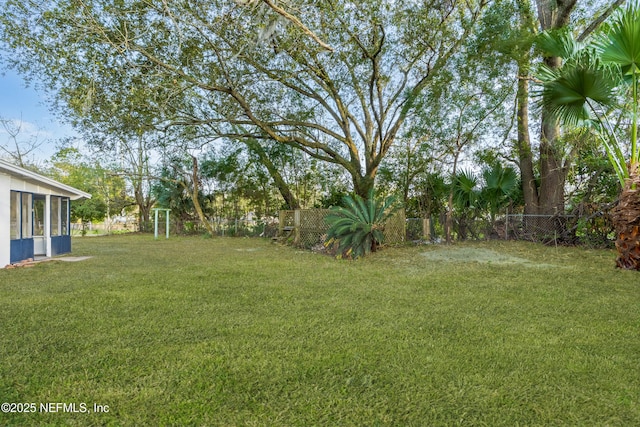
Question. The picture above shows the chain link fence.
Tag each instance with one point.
(593, 230)
(307, 227)
(222, 227)
(540, 228)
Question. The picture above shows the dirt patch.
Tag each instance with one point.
(31, 262)
(71, 258)
(486, 256)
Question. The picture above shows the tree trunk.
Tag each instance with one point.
(196, 202)
(626, 219)
(448, 225)
(552, 172)
(525, 155)
(552, 14)
(548, 198)
(289, 198)
(448, 222)
(144, 206)
(140, 161)
(362, 185)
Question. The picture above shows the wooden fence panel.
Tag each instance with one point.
(312, 227)
(309, 226)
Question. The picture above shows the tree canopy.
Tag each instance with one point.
(251, 101)
(247, 71)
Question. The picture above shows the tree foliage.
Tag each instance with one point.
(593, 82)
(175, 63)
(500, 185)
(587, 90)
(107, 188)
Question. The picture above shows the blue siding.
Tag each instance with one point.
(59, 245)
(20, 250)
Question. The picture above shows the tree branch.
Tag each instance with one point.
(599, 20)
(298, 24)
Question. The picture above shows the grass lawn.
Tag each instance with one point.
(193, 331)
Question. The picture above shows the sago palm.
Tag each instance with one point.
(595, 82)
(358, 226)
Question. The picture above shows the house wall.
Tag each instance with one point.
(12, 251)
(18, 184)
(14, 178)
(5, 237)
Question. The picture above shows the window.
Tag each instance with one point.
(20, 219)
(26, 216)
(38, 215)
(14, 206)
(64, 216)
(55, 216)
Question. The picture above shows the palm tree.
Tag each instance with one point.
(464, 196)
(500, 183)
(596, 81)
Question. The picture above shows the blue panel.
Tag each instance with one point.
(20, 250)
(60, 245)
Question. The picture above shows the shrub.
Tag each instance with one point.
(358, 226)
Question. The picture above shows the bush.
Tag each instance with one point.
(358, 226)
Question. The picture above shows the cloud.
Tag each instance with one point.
(22, 131)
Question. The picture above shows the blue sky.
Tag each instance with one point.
(26, 105)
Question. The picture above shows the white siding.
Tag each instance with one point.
(5, 239)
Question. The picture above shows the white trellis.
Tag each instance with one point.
(166, 215)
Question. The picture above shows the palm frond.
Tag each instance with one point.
(559, 42)
(464, 186)
(577, 90)
(583, 91)
(621, 43)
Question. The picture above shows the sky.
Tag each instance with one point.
(26, 107)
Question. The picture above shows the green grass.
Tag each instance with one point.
(192, 331)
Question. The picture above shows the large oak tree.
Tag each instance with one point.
(337, 80)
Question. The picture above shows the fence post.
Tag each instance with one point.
(155, 228)
(506, 226)
(166, 214)
(296, 226)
